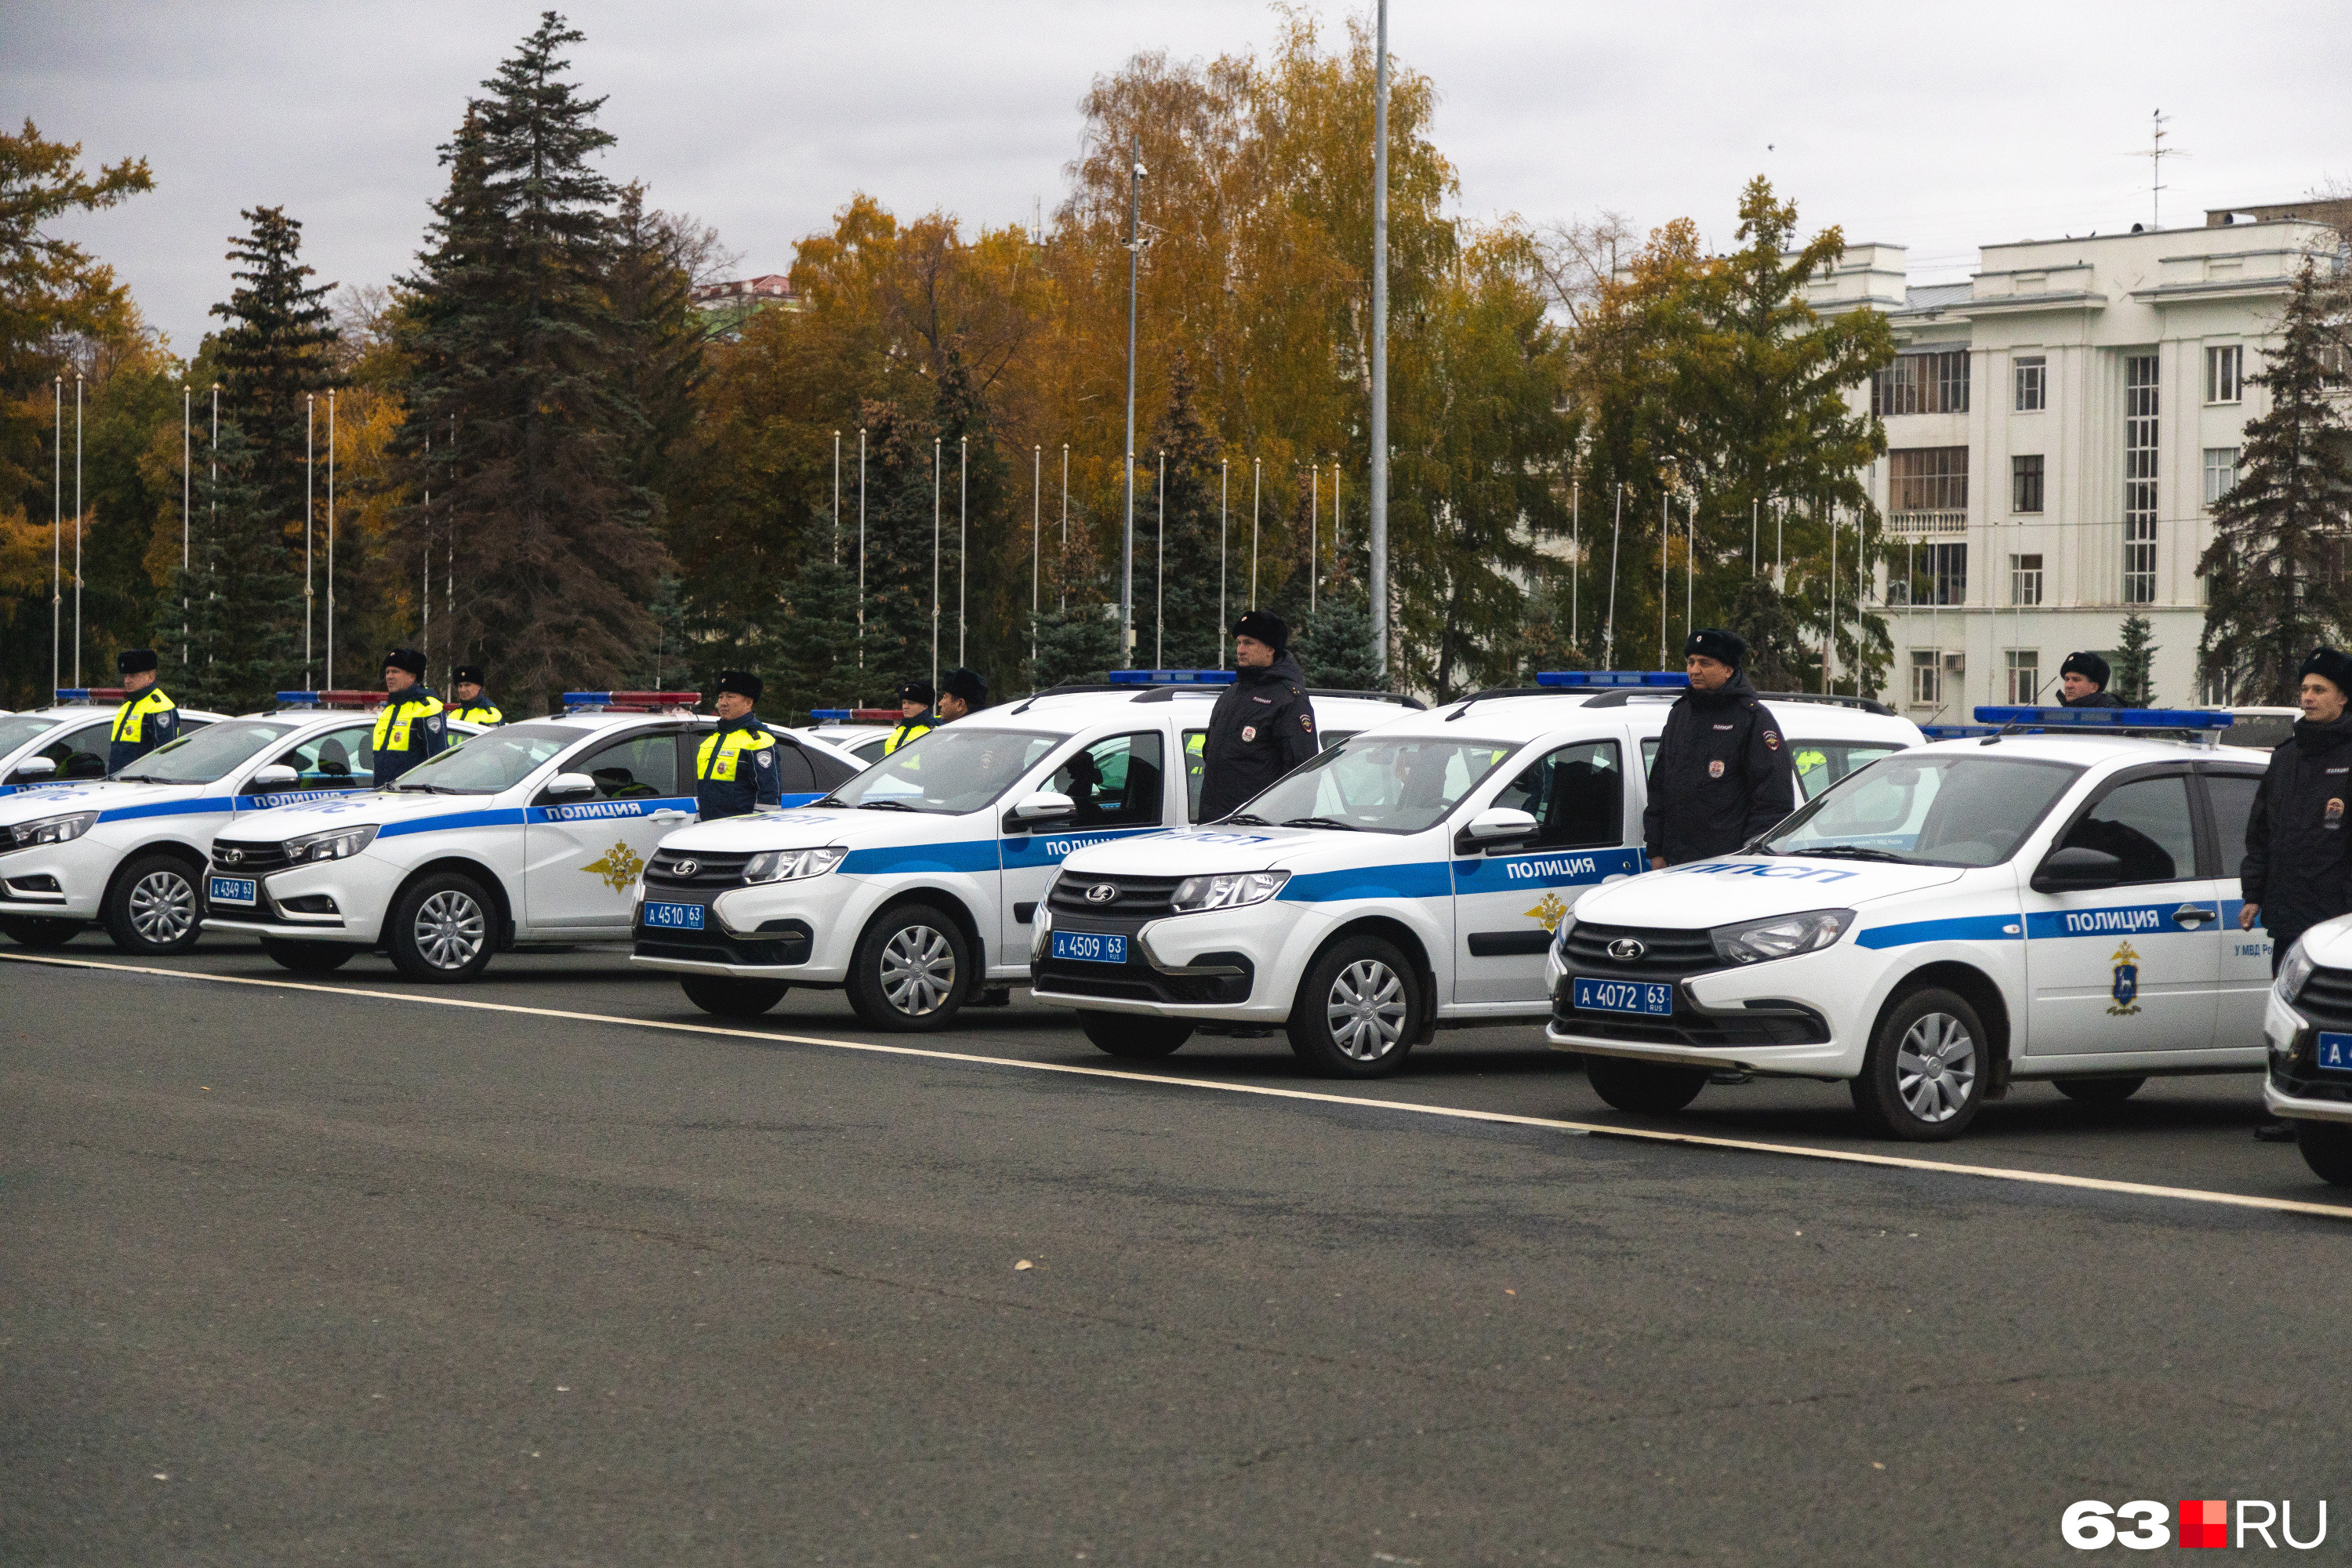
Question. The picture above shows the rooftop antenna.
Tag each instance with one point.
(2156, 154)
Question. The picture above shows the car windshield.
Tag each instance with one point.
(1928, 809)
(205, 756)
(948, 771)
(1379, 785)
(18, 727)
(2266, 730)
(494, 761)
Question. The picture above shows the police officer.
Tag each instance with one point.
(2298, 869)
(2082, 683)
(1262, 725)
(1722, 775)
(470, 705)
(735, 771)
(414, 725)
(147, 719)
(915, 716)
(963, 692)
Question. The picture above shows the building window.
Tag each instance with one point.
(2220, 472)
(1948, 573)
(2225, 373)
(1922, 384)
(2025, 483)
(2025, 579)
(2335, 366)
(1926, 667)
(2024, 675)
(2033, 379)
(2139, 479)
(1928, 478)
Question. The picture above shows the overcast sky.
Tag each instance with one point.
(1940, 127)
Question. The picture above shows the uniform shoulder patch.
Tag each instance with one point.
(1772, 739)
(1306, 722)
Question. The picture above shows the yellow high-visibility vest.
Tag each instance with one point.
(721, 749)
(907, 730)
(132, 715)
(392, 725)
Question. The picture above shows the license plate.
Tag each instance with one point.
(233, 891)
(1088, 947)
(1650, 998)
(2335, 1053)
(674, 917)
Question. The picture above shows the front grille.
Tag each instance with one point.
(2327, 999)
(789, 944)
(252, 860)
(1141, 982)
(709, 871)
(1142, 896)
(1666, 954)
(1795, 1026)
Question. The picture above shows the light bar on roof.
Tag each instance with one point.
(1585, 680)
(1172, 677)
(628, 701)
(67, 694)
(831, 715)
(1956, 731)
(2106, 718)
(337, 699)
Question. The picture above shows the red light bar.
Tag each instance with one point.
(874, 715)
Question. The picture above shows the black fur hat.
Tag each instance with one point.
(1715, 643)
(2089, 666)
(742, 682)
(2331, 666)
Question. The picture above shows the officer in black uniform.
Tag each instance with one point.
(414, 725)
(915, 716)
(147, 719)
(1262, 725)
(1722, 773)
(735, 769)
(468, 702)
(2082, 683)
(2298, 869)
(963, 692)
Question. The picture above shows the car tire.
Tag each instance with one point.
(911, 972)
(1645, 1089)
(2099, 1090)
(1134, 1038)
(2327, 1149)
(39, 933)
(308, 957)
(1923, 1081)
(730, 997)
(1357, 1010)
(153, 909)
(443, 928)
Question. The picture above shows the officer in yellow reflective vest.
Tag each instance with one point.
(147, 719)
(735, 771)
(466, 702)
(915, 716)
(414, 725)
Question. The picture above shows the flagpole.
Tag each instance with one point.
(1036, 547)
(861, 547)
(80, 529)
(963, 532)
(1160, 573)
(1616, 535)
(330, 534)
(58, 541)
(936, 445)
(1257, 481)
(1224, 480)
(188, 487)
(309, 511)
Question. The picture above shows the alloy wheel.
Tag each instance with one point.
(1936, 1066)
(449, 929)
(919, 971)
(163, 907)
(1366, 1010)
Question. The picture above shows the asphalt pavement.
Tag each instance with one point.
(554, 1269)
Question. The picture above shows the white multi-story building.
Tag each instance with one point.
(2058, 427)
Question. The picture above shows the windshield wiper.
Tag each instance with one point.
(1246, 820)
(883, 806)
(1855, 852)
(1322, 822)
(834, 800)
(398, 787)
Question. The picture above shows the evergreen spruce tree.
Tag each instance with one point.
(1077, 632)
(273, 354)
(1335, 647)
(810, 652)
(977, 569)
(241, 629)
(660, 352)
(1185, 583)
(1778, 658)
(2273, 593)
(2134, 665)
(898, 551)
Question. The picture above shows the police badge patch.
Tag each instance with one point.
(2335, 815)
(1772, 739)
(1249, 732)
(1715, 769)
(2126, 988)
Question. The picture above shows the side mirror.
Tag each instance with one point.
(277, 775)
(1497, 825)
(32, 770)
(2077, 870)
(1045, 805)
(563, 786)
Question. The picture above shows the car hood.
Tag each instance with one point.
(2329, 943)
(96, 794)
(798, 828)
(382, 807)
(1193, 851)
(1751, 887)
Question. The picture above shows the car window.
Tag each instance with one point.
(1821, 763)
(2266, 730)
(1196, 743)
(334, 759)
(1938, 809)
(2145, 824)
(1381, 784)
(488, 763)
(1339, 737)
(793, 773)
(1575, 794)
(952, 770)
(2233, 796)
(209, 753)
(81, 753)
(1114, 782)
(16, 729)
(639, 768)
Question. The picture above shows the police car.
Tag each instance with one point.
(2053, 898)
(532, 833)
(2307, 1027)
(913, 887)
(67, 742)
(1412, 877)
(129, 851)
(861, 733)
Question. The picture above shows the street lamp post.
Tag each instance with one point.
(1127, 533)
(1379, 505)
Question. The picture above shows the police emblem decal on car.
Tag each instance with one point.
(1626, 949)
(2126, 981)
(1102, 892)
(619, 867)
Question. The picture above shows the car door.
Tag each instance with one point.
(1120, 785)
(2245, 955)
(582, 853)
(1508, 901)
(2136, 967)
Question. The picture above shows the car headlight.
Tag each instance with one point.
(340, 844)
(2293, 970)
(791, 864)
(1229, 890)
(51, 829)
(1781, 936)
(1560, 937)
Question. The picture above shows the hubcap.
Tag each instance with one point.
(1936, 1066)
(919, 971)
(163, 907)
(1366, 1010)
(450, 930)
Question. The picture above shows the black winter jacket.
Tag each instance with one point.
(1722, 775)
(2099, 698)
(2297, 867)
(1262, 726)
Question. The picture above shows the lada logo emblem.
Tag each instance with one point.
(1626, 949)
(1102, 892)
(232, 857)
(686, 868)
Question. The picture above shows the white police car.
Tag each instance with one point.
(129, 851)
(913, 887)
(860, 733)
(2307, 1023)
(67, 744)
(2059, 905)
(531, 833)
(1409, 878)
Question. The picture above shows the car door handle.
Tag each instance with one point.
(669, 816)
(2191, 914)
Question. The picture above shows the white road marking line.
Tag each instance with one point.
(1269, 1092)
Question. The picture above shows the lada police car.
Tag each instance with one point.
(913, 887)
(129, 851)
(1412, 877)
(2307, 1024)
(531, 833)
(2055, 897)
(67, 744)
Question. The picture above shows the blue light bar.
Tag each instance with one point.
(1611, 678)
(832, 715)
(1956, 731)
(297, 699)
(1172, 677)
(72, 694)
(2106, 718)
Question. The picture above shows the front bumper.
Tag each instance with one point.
(64, 880)
(333, 900)
(770, 930)
(2294, 1087)
(1791, 1018)
(1234, 966)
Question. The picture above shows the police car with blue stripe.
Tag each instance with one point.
(66, 744)
(2307, 1028)
(1409, 879)
(2052, 896)
(913, 887)
(129, 851)
(531, 833)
